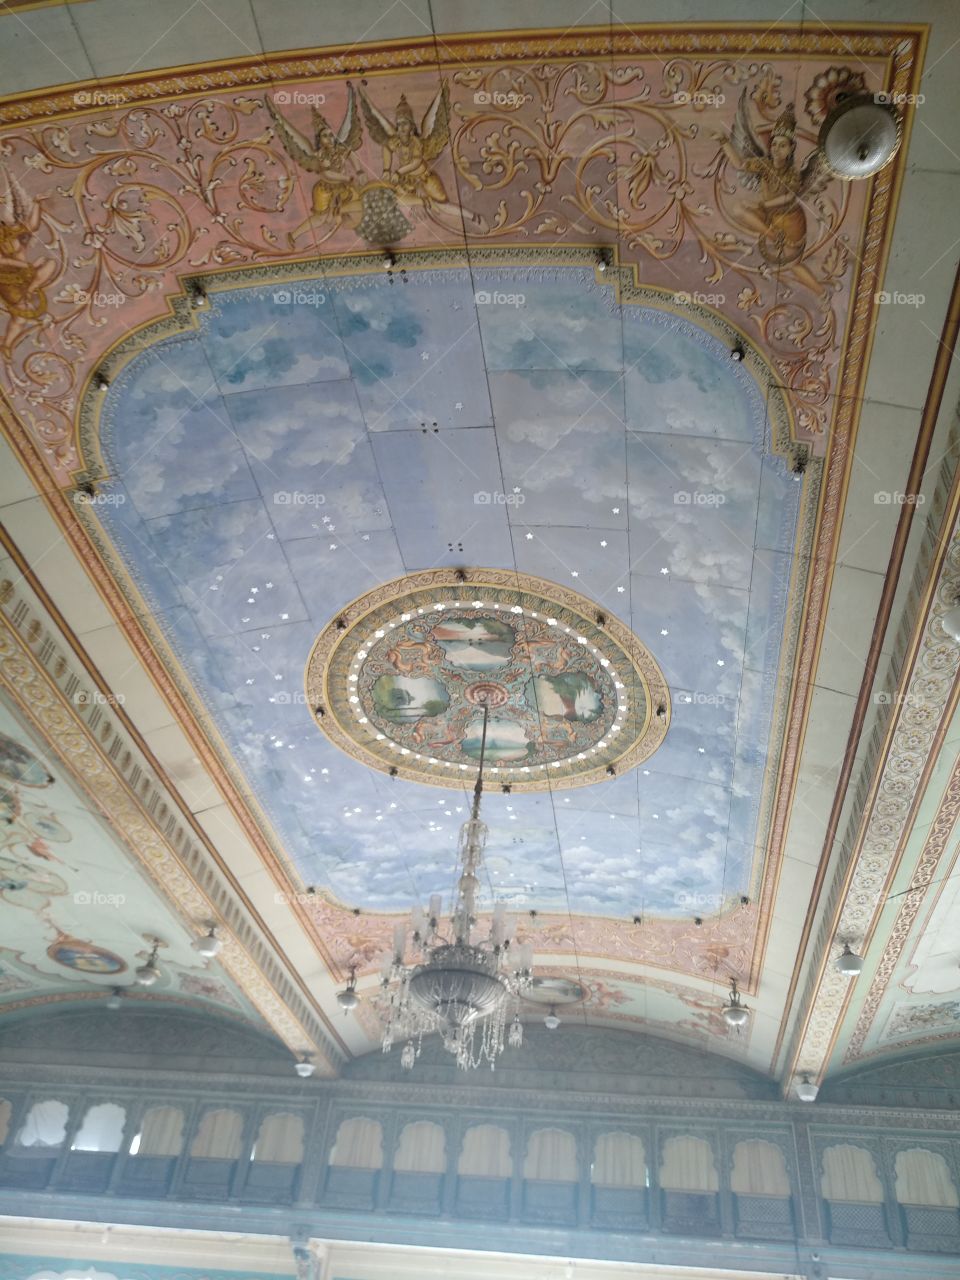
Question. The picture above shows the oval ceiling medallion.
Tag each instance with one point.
(400, 678)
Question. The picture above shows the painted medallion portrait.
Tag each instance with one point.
(85, 957)
(18, 764)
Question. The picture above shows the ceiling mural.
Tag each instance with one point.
(567, 690)
(77, 914)
(227, 502)
(106, 209)
(374, 391)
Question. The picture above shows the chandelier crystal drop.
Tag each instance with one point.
(466, 988)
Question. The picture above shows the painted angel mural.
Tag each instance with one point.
(409, 152)
(766, 161)
(22, 282)
(336, 193)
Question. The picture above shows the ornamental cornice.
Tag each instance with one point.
(906, 748)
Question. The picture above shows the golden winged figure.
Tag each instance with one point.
(408, 152)
(22, 292)
(330, 155)
(779, 216)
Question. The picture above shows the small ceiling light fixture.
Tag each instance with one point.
(951, 623)
(848, 962)
(389, 260)
(735, 1013)
(196, 295)
(551, 1021)
(116, 999)
(148, 973)
(100, 381)
(806, 1090)
(860, 136)
(208, 945)
(348, 999)
(305, 1068)
(604, 260)
(738, 352)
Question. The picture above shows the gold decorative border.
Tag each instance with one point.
(776, 42)
(928, 694)
(324, 655)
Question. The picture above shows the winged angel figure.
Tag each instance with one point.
(336, 193)
(22, 292)
(409, 152)
(779, 216)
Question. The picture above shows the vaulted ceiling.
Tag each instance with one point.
(348, 386)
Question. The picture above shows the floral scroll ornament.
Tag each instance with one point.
(135, 194)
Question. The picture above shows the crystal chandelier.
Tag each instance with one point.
(466, 989)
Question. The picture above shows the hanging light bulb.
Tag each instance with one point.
(735, 1013)
(551, 1021)
(208, 944)
(116, 999)
(305, 1068)
(848, 962)
(348, 999)
(515, 1035)
(951, 623)
(148, 973)
(408, 1056)
(806, 1090)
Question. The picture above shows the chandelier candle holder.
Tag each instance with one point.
(465, 988)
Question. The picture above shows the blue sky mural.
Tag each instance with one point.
(313, 441)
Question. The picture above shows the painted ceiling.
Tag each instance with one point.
(371, 386)
(249, 516)
(78, 913)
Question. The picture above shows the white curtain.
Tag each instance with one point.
(161, 1133)
(551, 1156)
(923, 1177)
(5, 1109)
(849, 1174)
(280, 1139)
(102, 1129)
(359, 1144)
(688, 1166)
(45, 1125)
(218, 1137)
(422, 1149)
(619, 1161)
(759, 1169)
(485, 1153)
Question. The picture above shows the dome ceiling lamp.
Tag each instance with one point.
(860, 136)
(848, 962)
(208, 944)
(348, 999)
(465, 989)
(148, 973)
(735, 1012)
(806, 1089)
